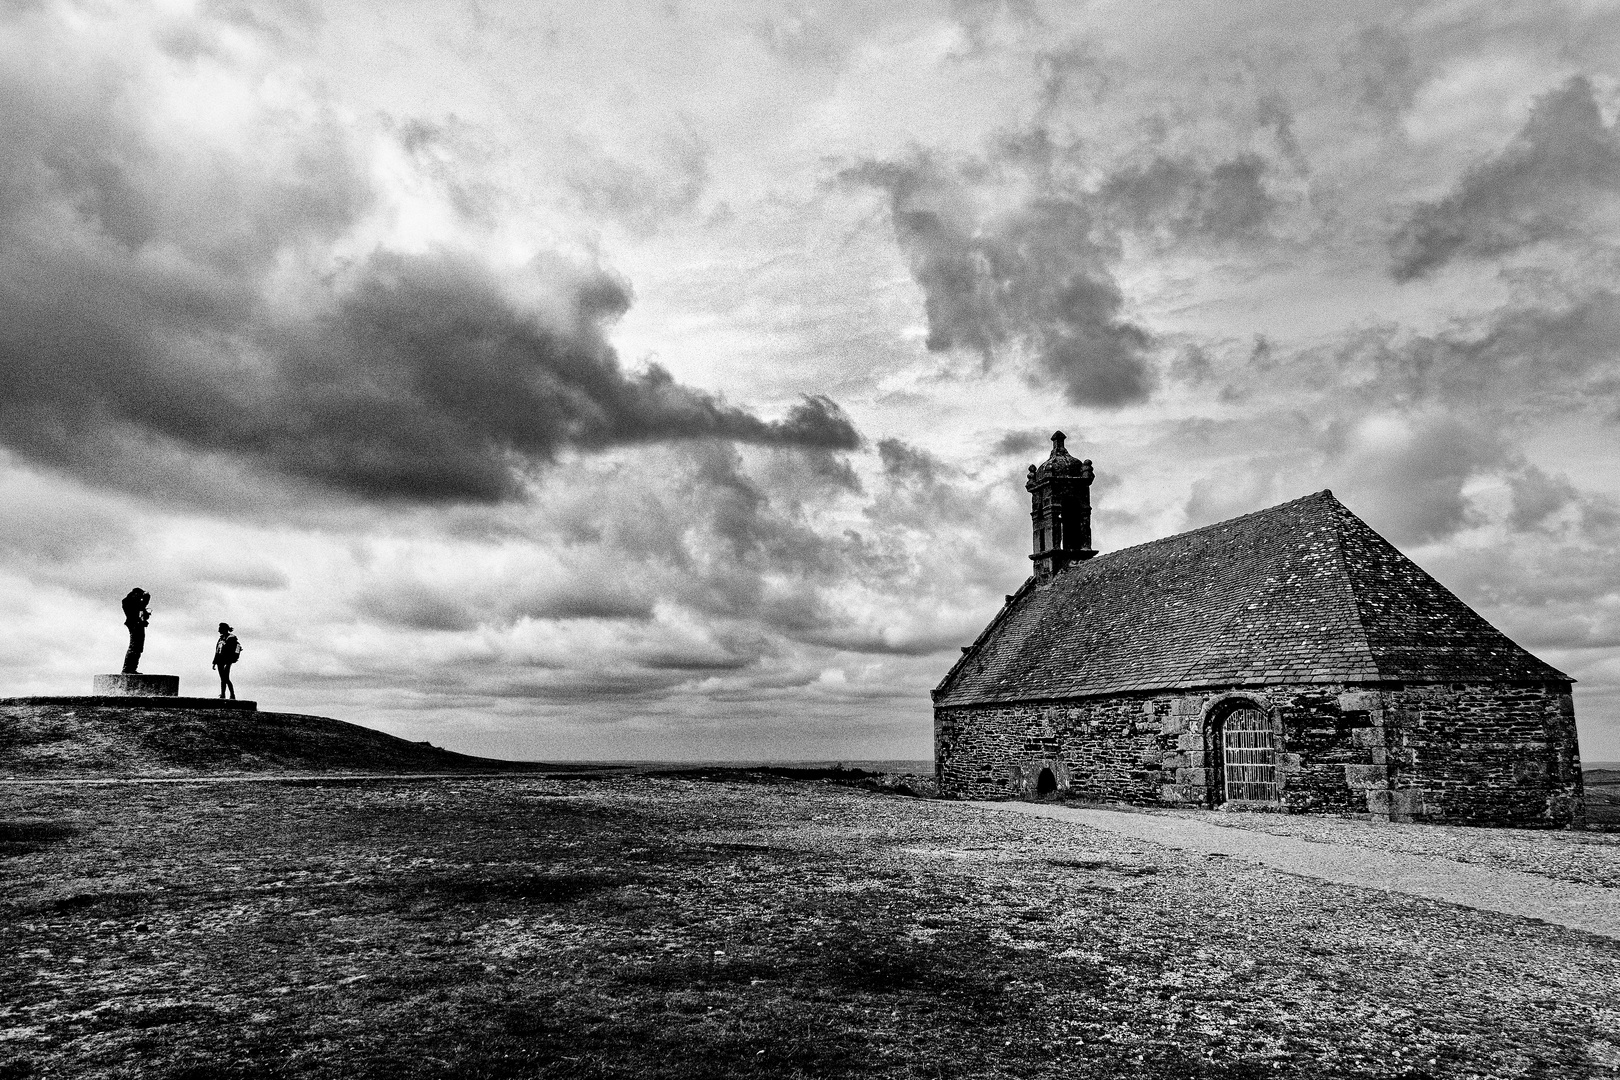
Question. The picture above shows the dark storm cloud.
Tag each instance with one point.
(1545, 185)
(931, 497)
(1382, 70)
(1178, 196)
(902, 461)
(1017, 261)
(1192, 365)
(166, 309)
(418, 609)
(1274, 112)
(695, 525)
(1543, 355)
(1035, 276)
(1522, 358)
(1018, 443)
(729, 543)
(585, 688)
(420, 380)
(420, 603)
(1538, 498)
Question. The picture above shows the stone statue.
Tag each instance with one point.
(136, 617)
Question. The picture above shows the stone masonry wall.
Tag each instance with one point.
(1490, 753)
(1101, 748)
(1484, 753)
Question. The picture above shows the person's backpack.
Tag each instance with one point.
(233, 650)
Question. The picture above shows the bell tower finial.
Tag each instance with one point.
(1060, 508)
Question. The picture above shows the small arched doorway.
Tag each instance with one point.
(1045, 784)
(1242, 756)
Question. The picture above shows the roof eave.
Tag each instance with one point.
(1365, 677)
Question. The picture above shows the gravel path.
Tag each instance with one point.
(1584, 857)
(1592, 908)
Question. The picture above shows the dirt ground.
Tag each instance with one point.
(663, 927)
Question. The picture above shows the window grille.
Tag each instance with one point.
(1249, 757)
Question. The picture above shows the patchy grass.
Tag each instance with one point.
(669, 927)
(73, 737)
(26, 836)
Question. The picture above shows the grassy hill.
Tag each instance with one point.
(45, 739)
(1602, 795)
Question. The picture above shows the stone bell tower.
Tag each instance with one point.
(1060, 507)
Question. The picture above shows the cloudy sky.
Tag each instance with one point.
(656, 380)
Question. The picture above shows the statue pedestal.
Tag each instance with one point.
(137, 686)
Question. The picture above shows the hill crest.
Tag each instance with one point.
(67, 738)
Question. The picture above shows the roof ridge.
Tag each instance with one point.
(1328, 492)
(1349, 584)
(1359, 587)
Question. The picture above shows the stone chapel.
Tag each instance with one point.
(1290, 659)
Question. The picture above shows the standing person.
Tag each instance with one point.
(227, 651)
(136, 617)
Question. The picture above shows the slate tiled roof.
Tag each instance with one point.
(1302, 592)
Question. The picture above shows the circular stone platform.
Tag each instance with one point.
(132, 701)
(135, 684)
